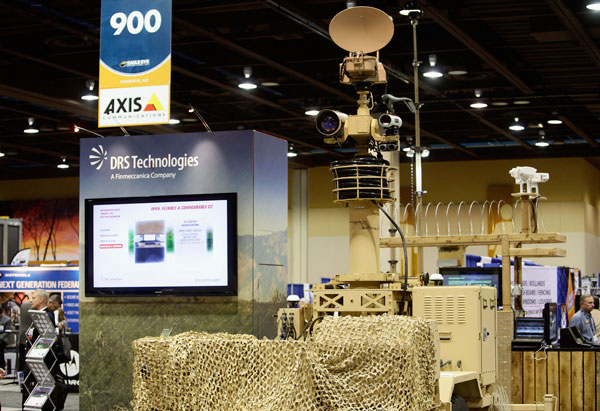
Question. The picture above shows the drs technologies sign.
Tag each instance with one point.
(136, 162)
(99, 156)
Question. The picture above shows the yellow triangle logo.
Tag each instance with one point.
(154, 104)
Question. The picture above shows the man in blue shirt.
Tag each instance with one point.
(584, 321)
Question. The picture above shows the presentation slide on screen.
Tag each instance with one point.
(163, 244)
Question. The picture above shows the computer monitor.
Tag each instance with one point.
(550, 315)
(527, 328)
(571, 337)
(484, 276)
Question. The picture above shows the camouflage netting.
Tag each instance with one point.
(349, 363)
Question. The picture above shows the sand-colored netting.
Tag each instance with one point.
(348, 363)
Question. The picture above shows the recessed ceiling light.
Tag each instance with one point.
(90, 95)
(311, 112)
(479, 104)
(499, 103)
(63, 164)
(30, 128)
(521, 102)
(189, 120)
(457, 72)
(174, 121)
(516, 126)
(247, 86)
(270, 84)
(554, 121)
(594, 5)
(2, 154)
(432, 73)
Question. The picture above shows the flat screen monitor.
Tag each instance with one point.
(550, 315)
(163, 245)
(527, 328)
(484, 276)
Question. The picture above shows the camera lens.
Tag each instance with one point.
(329, 123)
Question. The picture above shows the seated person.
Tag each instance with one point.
(583, 319)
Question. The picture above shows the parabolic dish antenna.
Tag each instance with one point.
(361, 28)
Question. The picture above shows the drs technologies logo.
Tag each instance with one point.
(98, 156)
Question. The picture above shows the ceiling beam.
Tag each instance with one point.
(248, 53)
(234, 90)
(579, 132)
(569, 20)
(302, 142)
(474, 46)
(494, 127)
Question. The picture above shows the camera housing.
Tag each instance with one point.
(389, 125)
(330, 122)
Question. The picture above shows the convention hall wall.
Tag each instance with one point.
(572, 207)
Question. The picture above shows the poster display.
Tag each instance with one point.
(63, 280)
(135, 63)
(540, 286)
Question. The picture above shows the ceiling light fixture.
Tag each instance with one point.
(432, 71)
(478, 103)
(30, 128)
(457, 72)
(247, 84)
(521, 102)
(291, 151)
(311, 112)
(516, 126)
(554, 119)
(63, 164)
(77, 128)
(174, 121)
(412, 9)
(412, 150)
(541, 140)
(499, 103)
(593, 5)
(2, 154)
(90, 95)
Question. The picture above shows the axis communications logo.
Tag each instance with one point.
(98, 156)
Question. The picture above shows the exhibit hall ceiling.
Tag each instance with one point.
(535, 62)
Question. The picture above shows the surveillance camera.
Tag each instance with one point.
(389, 121)
(330, 122)
(389, 146)
(389, 125)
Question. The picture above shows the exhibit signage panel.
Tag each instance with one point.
(64, 280)
(135, 63)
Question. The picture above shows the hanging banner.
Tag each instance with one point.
(135, 63)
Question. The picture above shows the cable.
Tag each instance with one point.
(305, 327)
(534, 212)
(192, 109)
(544, 347)
(405, 287)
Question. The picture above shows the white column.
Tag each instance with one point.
(299, 228)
